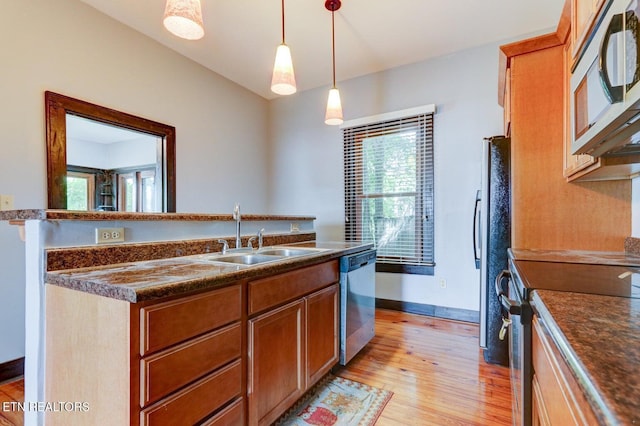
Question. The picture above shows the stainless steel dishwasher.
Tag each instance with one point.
(357, 302)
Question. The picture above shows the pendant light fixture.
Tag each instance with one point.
(283, 81)
(183, 18)
(333, 115)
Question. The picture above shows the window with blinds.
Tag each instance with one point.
(389, 191)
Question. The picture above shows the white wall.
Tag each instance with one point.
(68, 47)
(107, 156)
(307, 164)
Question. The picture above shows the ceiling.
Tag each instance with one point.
(241, 36)
(82, 129)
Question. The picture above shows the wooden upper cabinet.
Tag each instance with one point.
(507, 103)
(572, 163)
(547, 211)
(583, 18)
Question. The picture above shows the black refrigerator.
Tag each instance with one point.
(492, 238)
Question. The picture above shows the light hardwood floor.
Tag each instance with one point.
(434, 367)
(11, 392)
(436, 371)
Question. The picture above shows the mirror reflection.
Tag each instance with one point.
(111, 168)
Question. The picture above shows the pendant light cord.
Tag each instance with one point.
(282, 21)
(333, 47)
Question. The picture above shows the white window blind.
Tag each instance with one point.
(389, 191)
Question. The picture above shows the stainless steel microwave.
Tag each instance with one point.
(605, 101)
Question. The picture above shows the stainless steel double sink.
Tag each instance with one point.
(264, 255)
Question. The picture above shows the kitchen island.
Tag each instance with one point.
(161, 327)
(192, 338)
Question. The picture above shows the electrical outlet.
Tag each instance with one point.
(109, 235)
(295, 227)
(443, 283)
(6, 202)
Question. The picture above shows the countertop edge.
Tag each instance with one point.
(195, 284)
(620, 258)
(44, 214)
(594, 396)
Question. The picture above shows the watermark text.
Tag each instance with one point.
(57, 406)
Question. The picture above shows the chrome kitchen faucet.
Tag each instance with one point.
(236, 217)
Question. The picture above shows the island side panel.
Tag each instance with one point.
(87, 344)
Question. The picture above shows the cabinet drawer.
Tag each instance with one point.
(197, 401)
(167, 371)
(232, 415)
(165, 324)
(269, 292)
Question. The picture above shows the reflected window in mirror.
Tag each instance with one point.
(137, 190)
(80, 190)
(125, 163)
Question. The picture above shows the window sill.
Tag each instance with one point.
(405, 269)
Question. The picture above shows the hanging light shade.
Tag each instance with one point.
(183, 18)
(334, 108)
(283, 81)
(333, 115)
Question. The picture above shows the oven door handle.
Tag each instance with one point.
(511, 306)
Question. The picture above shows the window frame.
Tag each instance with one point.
(91, 186)
(137, 174)
(424, 194)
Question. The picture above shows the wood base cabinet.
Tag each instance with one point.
(277, 362)
(557, 398)
(174, 362)
(294, 342)
(235, 355)
(322, 333)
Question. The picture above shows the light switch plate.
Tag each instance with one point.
(6, 202)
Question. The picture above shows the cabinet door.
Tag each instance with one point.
(538, 409)
(557, 395)
(572, 163)
(583, 16)
(277, 362)
(507, 103)
(322, 333)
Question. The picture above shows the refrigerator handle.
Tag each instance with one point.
(476, 231)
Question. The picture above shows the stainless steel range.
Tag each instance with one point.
(514, 288)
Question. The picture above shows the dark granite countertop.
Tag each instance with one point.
(577, 256)
(152, 279)
(42, 214)
(599, 337)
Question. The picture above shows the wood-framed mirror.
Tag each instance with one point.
(118, 185)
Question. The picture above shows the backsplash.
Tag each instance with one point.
(632, 246)
(80, 257)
